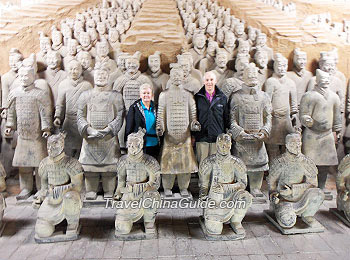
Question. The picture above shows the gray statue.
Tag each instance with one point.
(99, 119)
(2, 209)
(61, 184)
(57, 42)
(69, 92)
(261, 60)
(223, 177)
(251, 126)
(72, 50)
(343, 187)
(221, 71)
(176, 117)
(208, 62)
(102, 51)
(138, 180)
(45, 46)
(189, 83)
(293, 188)
(199, 48)
(86, 62)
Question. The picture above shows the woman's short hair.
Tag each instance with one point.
(145, 86)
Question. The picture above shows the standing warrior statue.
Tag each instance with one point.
(176, 117)
(292, 184)
(138, 180)
(61, 183)
(250, 126)
(99, 119)
(30, 113)
(343, 186)
(223, 177)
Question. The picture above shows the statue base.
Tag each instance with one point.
(340, 215)
(2, 227)
(30, 200)
(299, 228)
(227, 233)
(98, 202)
(137, 233)
(57, 236)
(260, 200)
(176, 196)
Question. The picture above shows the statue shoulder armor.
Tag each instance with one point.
(344, 164)
(43, 163)
(207, 163)
(123, 160)
(275, 165)
(74, 166)
(151, 162)
(239, 164)
(309, 165)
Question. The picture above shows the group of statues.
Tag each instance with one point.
(70, 123)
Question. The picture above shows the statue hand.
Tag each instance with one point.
(106, 131)
(160, 131)
(117, 195)
(262, 135)
(57, 122)
(287, 191)
(275, 199)
(195, 126)
(244, 136)
(345, 196)
(8, 131)
(46, 134)
(93, 133)
(308, 121)
(4, 113)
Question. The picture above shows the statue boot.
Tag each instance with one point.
(240, 212)
(255, 183)
(109, 181)
(44, 228)
(183, 181)
(168, 181)
(92, 180)
(316, 199)
(72, 207)
(25, 183)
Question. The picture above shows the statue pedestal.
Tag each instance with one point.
(176, 196)
(340, 215)
(227, 233)
(57, 236)
(299, 228)
(137, 233)
(98, 202)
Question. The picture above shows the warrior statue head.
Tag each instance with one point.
(132, 63)
(53, 59)
(280, 65)
(250, 75)
(322, 79)
(101, 74)
(176, 74)
(327, 62)
(299, 59)
(135, 142)
(55, 144)
(15, 59)
(293, 143)
(154, 62)
(27, 71)
(74, 69)
(223, 144)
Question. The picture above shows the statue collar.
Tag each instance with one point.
(220, 70)
(322, 91)
(76, 82)
(154, 74)
(249, 90)
(133, 76)
(58, 157)
(199, 51)
(136, 157)
(300, 73)
(28, 88)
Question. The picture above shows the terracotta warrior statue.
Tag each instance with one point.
(99, 119)
(199, 48)
(102, 51)
(53, 74)
(71, 53)
(261, 43)
(86, 62)
(156, 75)
(221, 71)
(30, 114)
(57, 42)
(292, 184)
(86, 44)
(208, 62)
(283, 96)
(61, 184)
(138, 180)
(223, 177)
(2, 209)
(45, 46)
(69, 92)
(343, 187)
(251, 126)
(176, 117)
(320, 115)
(189, 83)
(2, 179)
(261, 60)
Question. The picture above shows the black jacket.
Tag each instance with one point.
(213, 117)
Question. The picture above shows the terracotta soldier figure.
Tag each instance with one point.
(283, 96)
(199, 48)
(86, 62)
(86, 44)
(45, 46)
(99, 119)
(61, 184)
(223, 177)
(261, 43)
(71, 53)
(320, 115)
(221, 71)
(292, 184)
(69, 92)
(343, 187)
(261, 60)
(102, 51)
(251, 126)
(190, 83)
(2, 179)
(138, 180)
(30, 114)
(176, 117)
(208, 62)
(53, 73)
(2, 209)
(57, 42)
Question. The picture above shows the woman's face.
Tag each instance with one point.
(146, 94)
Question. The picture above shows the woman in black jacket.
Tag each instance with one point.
(142, 113)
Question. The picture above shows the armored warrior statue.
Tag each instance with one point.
(292, 184)
(240, 63)
(221, 71)
(120, 68)
(86, 62)
(189, 83)
(138, 180)
(53, 74)
(30, 113)
(99, 119)
(261, 60)
(251, 126)
(69, 92)
(199, 48)
(283, 96)
(102, 51)
(230, 44)
(175, 119)
(45, 46)
(261, 43)
(208, 62)
(195, 73)
(113, 40)
(320, 115)
(156, 75)
(72, 50)
(61, 184)
(223, 177)
(57, 42)
(343, 187)
(86, 44)
(239, 31)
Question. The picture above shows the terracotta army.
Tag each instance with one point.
(30, 114)
(199, 48)
(99, 119)
(156, 75)
(335, 71)
(69, 92)
(61, 184)
(221, 71)
(261, 60)
(261, 43)
(53, 73)
(71, 53)
(208, 62)
(283, 96)
(189, 34)
(211, 31)
(195, 73)
(343, 187)
(239, 31)
(102, 51)
(320, 115)
(292, 185)
(57, 42)
(250, 126)
(138, 180)
(86, 44)
(175, 119)
(223, 177)
(190, 83)
(120, 67)
(113, 40)
(86, 62)
(240, 63)
(252, 33)
(229, 44)
(243, 48)
(299, 74)
(45, 46)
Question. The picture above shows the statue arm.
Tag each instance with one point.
(77, 182)
(121, 171)
(82, 114)
(45, 110)
(153, 169)
(204, 173)
(305, 110)
(11, 121)
(235, 129)
(337, 118)
(293, 99)
(160, 124)
(60, 103)
(267, 116)
(273, 177)
(193, 108)
(116, 124)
